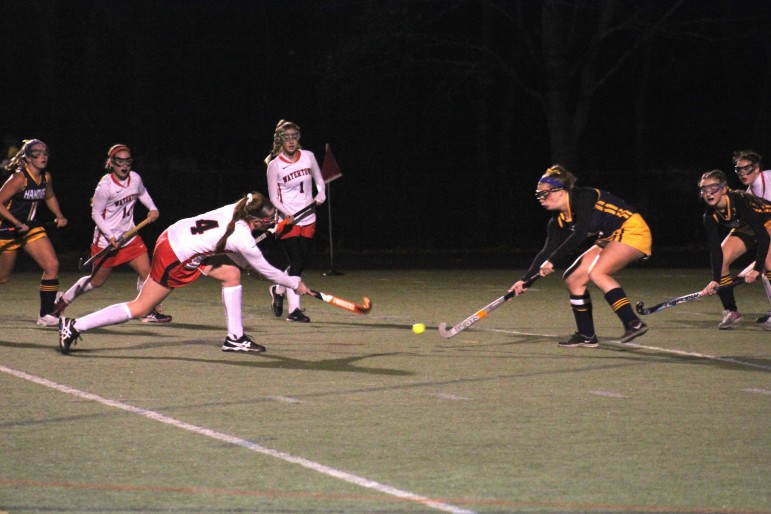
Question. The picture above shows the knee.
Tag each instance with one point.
(51, 268)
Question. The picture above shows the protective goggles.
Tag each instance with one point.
(544, 193)
(744, 170)
(711, 189)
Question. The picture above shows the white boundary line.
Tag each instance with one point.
(287, 457)
(619, 344)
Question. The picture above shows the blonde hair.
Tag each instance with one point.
(281, 127)
(559, 176)
(18, 160)
(253, 205)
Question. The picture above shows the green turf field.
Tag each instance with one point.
(357, 414)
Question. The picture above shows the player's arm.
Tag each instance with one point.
(318, 179)
(53, 203)
(146, 200)
(98, 207)
(13, 185)
(273, 195)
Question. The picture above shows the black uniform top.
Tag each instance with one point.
(23, 204)
(592, 213)
(742, 210)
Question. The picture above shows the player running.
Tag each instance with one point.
(28, 185)
(215, 244)
(292, 173)
(749, 219)
(619, 235)
(112, 209)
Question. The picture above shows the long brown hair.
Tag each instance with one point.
(253, 205)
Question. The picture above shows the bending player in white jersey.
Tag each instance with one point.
(747, 165)
(292, 173)
(112, 209)
(216, 244)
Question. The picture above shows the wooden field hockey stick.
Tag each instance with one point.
(641, 309)
(364, 308)
(105, 253)
(278, 229)
(483, 312)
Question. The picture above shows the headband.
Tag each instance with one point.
(552, 182)
(29, 144)
(249, 198)
(117, 148)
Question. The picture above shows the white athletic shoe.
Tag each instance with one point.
(49, 320)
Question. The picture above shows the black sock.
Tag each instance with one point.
(582, 311)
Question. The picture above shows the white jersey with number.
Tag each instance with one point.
(290, 184)
(112, 208)
(762, 185)
(197, 237)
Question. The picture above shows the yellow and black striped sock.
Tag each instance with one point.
(618, 301)
(48, 290)
(727, 294)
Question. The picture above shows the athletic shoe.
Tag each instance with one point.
(243, 344)
(277, 301)
(764, 318)
(155, 317)
(730, 319)
(579, 341)
(59, 304)
(298, 316)
(634, 329)
(49, 320)
(68, 334)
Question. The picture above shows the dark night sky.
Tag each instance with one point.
(196, 87)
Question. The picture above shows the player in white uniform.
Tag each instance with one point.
(747, 165)
(112, 209)
(292, 174)
(216, 244)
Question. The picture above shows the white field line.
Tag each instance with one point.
(286, 457)
(757, 391)
(608, 394)
(653, 348)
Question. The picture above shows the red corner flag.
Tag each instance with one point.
(329, 170)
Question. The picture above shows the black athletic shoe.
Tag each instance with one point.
(764, 318)
(277, 302)
(579, 341)
(634, 329)
(68, 335)
(298, 316)
(243, 344)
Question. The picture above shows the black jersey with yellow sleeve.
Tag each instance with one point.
(743, 211)
(592, 213)
(23, 205)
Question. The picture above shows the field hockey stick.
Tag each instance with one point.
(105, 253)
(481, 313)
(641, 309)
(364, 308)
(48, 225)
(278, 229)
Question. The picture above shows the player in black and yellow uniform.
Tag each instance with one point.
(619, 235)
(20, 196)
(749, 219)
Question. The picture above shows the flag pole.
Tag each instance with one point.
(330, 171)
(332, 271)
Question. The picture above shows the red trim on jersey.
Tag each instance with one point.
(128, 181)
(283, 157)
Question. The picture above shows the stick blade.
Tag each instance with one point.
(446, 334)
(365, 307)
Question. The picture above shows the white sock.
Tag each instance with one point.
(112, 315)
(77, 289)
(292, 300)
(231, 298)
